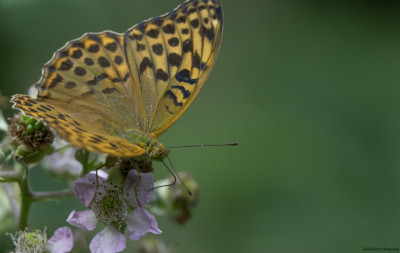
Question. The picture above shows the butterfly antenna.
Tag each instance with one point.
(174, 175)
(206, 145)
(180, 179)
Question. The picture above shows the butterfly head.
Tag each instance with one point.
(157, 151)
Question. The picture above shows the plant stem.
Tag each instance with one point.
(10, 176)
(26, 199)
(51, 196)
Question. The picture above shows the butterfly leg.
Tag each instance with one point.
(97, 184)
(137, 185)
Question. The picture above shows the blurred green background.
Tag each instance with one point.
(311, 91)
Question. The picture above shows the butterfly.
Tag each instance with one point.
(116, 93)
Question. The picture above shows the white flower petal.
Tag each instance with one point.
(143, 191)
(84, 219)
(141, 222)
(86, 187)
(109, 240)
(62, 241)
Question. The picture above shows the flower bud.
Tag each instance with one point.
(151, 245)
(30, 138)
(174, 201)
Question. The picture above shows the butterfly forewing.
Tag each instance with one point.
(199, 27)
(102, 87)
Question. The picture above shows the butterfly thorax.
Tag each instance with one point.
(153, 149)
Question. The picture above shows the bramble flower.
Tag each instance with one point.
(60, 242)
(110, 205)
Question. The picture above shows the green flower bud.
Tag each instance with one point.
(38, 125)
(25, 118)
(43, 129)
(31, 121)
(29, 129)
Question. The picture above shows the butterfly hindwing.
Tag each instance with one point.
(75, 130)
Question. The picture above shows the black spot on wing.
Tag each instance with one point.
(140, 47)
(104, 62)
(118, 60)
(174, 59)
(158, 49)
(196, 61)
(162, 75)
(79, 71)
(158, 21)
(169, 29)
(153, 33)
(185, 92)
(195, 23)
(111, 46)
(66, 65)
(109, 90)
(45, 108)
(94, 37)
(88, 61)
(70, 85)
(56, 81)
(181, 19)
(146, 62)
(187, 46)
(171, 95)
(94, 48)
(184, 76)
(97, 79)
(77, 54)
(207, 33)
(173, 42)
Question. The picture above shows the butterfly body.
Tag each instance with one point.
(116, 93)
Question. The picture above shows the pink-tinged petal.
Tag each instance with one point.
(62, 241)
(85, 188)
(109, 240)
(141, 222)
(84, 219)
(143, 191)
